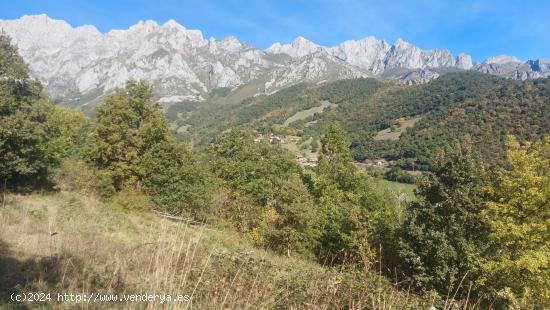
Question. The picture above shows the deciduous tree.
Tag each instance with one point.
(128, 125)
(177, 182)
(518, 265)
(24, 128)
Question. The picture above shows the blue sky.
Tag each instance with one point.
(480, 28)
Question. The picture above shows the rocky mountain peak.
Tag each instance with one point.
(403, 55)
(42, 20)
(147, 26)
(301, 41)
(173, 24)
(502, 59)
(298, 48)
(367, 53)
(81, 62)
(464, 61)
(231, 43)
(400, 43)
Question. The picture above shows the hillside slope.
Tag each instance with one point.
(265, 113)
(458, 107)
(68, 243)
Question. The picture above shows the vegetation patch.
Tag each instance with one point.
(308, 113)
(396, 129)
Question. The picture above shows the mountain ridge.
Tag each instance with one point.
(78, 64)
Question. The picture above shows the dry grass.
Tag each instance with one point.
(387, 134)
(300, 115)
(68, 243)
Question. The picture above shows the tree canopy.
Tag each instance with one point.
(24, 127)
(518, 215)
(128, 125)
(443, 234)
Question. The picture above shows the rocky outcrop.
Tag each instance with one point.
(464, 62)
(78, 64)
(298, 48)
(512, 67)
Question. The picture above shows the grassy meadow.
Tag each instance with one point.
(65, 242)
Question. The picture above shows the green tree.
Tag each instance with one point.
(356, 218)
(443, 233)
(69, 128)
(24, 128)
(335, 160)
(12, 66)
(291, 226)
(518, 215)
(266, 195)
(128, 125)
(256, 169)
(177, 182)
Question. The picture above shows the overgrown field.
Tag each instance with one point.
(69, 243)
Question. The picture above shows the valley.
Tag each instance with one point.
(156, 161)
(435, 115)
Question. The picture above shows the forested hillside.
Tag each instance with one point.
(262, 113)
(458, 107)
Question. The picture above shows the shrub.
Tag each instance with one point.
(397, 174)
(176, 181)
(290, 224)
(105, 188)
(130, 199)
(76, 176)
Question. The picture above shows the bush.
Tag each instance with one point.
(290, 224)
(375, 172)
(130, 199)
(106, 188)
(69, 130)
(397, 174)
(76, 176)
(176, 181)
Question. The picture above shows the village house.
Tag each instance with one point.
(380, 163)
(311, 161)
(273, 137)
